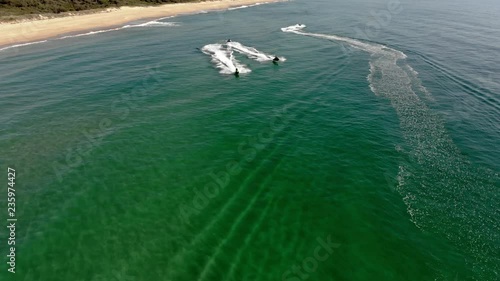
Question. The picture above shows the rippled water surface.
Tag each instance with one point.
(368, 152)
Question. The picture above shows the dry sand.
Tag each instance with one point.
(30, 31)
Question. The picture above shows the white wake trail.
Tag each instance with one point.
(372, 48)
(224, 60)
(252, 53)
(439, 185)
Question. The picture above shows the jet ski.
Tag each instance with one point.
(276, 59)
(237, 72)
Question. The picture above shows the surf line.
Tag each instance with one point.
(153, 23)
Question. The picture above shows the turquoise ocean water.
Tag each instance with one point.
(371, 153)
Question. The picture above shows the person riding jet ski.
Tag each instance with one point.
(237, 72)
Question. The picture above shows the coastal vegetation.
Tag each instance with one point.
(19, 9)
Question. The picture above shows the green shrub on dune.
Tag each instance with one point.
(10, 9)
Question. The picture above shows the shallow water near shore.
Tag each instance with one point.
(370, 153)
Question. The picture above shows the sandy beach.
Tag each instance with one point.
(30, 31)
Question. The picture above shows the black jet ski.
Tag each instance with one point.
(276, 59)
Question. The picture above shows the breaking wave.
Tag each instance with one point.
(246, 6)
(154, 23)
(22, 45)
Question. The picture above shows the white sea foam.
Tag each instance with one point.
(154, 23)
(373, 69)
(237, 8)
(251, 52)
(22, 45)
(418, 83)
(223, 59)
(89, 33)
(164, 18)
(372, 48)
(293, 28)
(247, 6)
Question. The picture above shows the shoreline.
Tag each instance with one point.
(43, 29)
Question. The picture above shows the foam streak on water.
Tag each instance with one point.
(251, 52)
(223, 59)
(372, 48)
(441, 188)
(146, 24)
(247, 6)
(22, 45)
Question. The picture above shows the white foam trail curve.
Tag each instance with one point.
(442, 189)
(372, 48)
(252, 53)
(223, 59)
